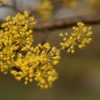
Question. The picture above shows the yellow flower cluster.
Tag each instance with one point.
(20, 58)
(47, 57)
(15, 37)
(80, 37)
(45, 9)
(37, 65)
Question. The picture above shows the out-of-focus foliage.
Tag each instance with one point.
(46, 8)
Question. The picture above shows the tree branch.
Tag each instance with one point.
(65, 23)
(68, 22)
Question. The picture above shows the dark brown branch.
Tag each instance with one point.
(68, 22)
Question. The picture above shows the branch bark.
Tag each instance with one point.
(68, 22)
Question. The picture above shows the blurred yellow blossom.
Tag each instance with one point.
(45, 9)
(4, 2)
(71, 3)
(94, 3)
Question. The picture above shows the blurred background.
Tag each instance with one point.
(79, 74)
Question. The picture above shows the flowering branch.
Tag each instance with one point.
(23, 59)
